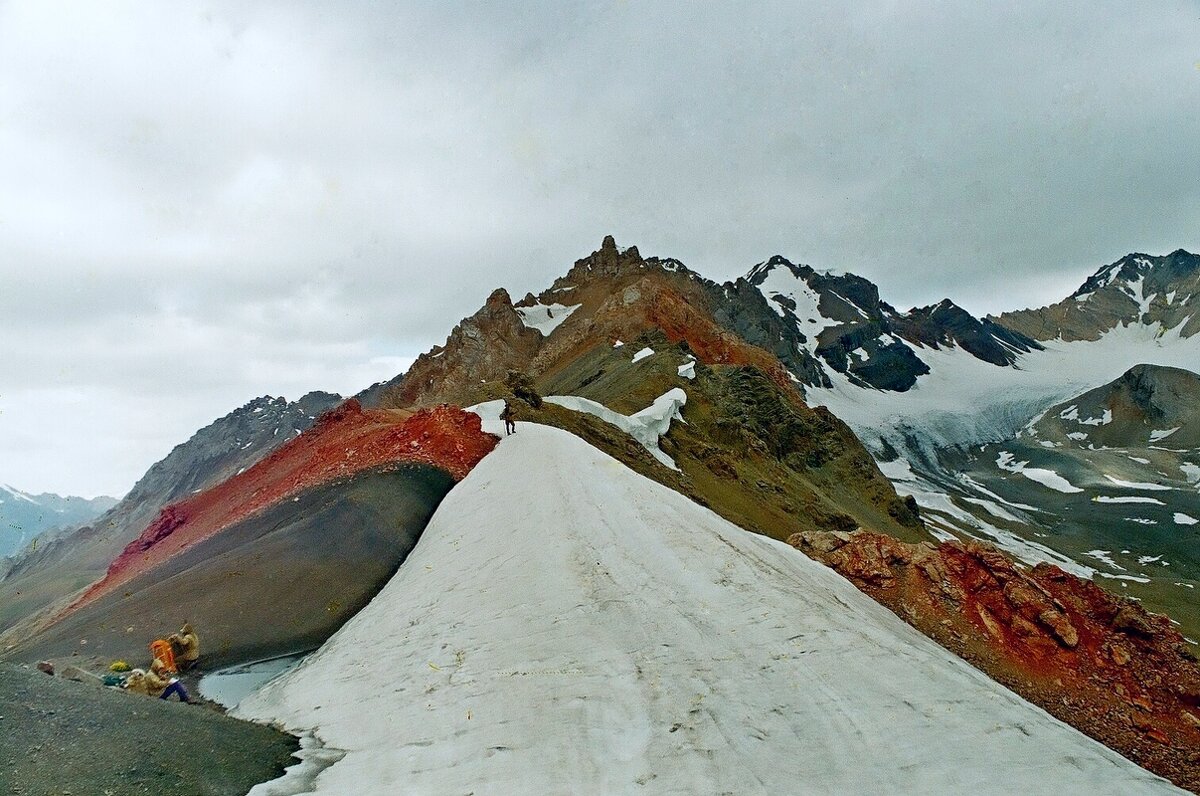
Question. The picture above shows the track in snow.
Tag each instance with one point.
(565, 625)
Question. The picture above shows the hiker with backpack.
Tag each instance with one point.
(157, 682)
(186, 646)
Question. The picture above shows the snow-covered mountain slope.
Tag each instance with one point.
(565, 625)
(964, 400)
(973, 444)
(856, 335)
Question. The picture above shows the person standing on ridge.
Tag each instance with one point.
(508, 415)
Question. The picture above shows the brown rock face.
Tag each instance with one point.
(1094, 660)
(484, 346)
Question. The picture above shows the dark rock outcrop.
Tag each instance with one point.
(947, 324)
(742, 309)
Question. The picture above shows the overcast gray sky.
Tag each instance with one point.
(205, 202)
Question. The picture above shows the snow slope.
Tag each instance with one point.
(568, 626)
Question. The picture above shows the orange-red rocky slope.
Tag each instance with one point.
(1100, 662)
(344, 441)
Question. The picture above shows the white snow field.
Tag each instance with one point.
(565, 625)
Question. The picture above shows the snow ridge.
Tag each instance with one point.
(566, 625)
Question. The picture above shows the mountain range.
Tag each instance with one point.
(1022, 489)
(23, 516)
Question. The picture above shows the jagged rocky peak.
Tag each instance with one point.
(1127, 269)
(759, 273)
(497, 302)
(229, 443)
(843, 321)
(1136, 289)
(608, 260)
(1158, 273)
(497, 317)
(810, 293)
(946, 324)
(269, 410)
(482, 346)
(314, 403)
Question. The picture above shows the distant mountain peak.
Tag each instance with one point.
(807, 273)
(1138, 288)
(856, 333)
(24, 516)
(1128, 269)
(16, 493)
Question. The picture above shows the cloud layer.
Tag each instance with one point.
(200, 203)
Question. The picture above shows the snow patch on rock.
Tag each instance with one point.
(645, 352)
(1105, 556)
(1047, 478)
(545, 317)
(646, 426)
(1137, 485)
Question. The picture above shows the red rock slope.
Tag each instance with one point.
(344, 441)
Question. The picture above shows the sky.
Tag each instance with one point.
(205, 202)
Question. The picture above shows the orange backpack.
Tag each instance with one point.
(161, 650)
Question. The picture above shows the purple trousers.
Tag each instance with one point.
(177, 689)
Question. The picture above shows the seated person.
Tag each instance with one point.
(159, 682)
